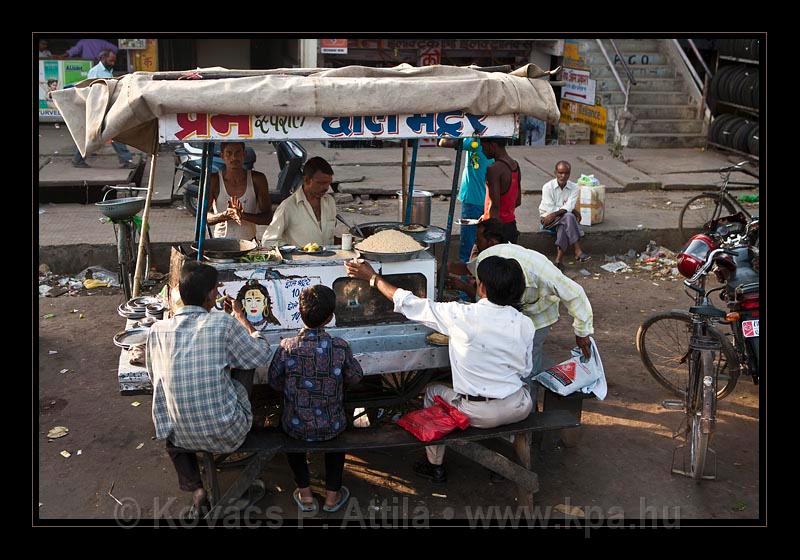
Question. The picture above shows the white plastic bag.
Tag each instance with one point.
(577, 374)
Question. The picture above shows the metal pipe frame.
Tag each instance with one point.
(448, 240)
(613, 70)
(631, 79)
(410, 195)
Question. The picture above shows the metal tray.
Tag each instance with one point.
(222, 248)
(390, 257)
(131, 337)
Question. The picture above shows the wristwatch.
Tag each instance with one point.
(373, 280)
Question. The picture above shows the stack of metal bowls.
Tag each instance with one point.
(136, 308)
(155, 311)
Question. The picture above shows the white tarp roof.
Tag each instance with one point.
(127, 109)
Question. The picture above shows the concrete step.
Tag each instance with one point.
(631, 58)
(586, 46)
(602, 71)
(674, 140)
(663, 126)
(643, 84)
(646, 98)
(672, 112)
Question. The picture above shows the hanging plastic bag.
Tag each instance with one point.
(577, 374)
(434, 422)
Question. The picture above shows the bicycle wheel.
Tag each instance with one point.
(663, 344)
(699, 211)
(703, 407)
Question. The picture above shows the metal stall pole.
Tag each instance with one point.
(200, 197)
(137, 277)
(410, 194)
(453, 194)
(202, 204)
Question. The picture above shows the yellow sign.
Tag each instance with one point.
(593, 115)
(146, 60)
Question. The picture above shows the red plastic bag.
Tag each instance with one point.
(434, 422)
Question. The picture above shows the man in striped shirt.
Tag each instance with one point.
(197, 405)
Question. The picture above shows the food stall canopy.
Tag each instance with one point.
(128, 109)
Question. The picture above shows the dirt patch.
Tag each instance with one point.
(621, 463)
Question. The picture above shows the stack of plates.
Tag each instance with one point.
(136, 308)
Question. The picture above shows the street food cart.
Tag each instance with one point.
(356, 103)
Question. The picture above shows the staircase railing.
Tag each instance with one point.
(702, 84)
(620, 137)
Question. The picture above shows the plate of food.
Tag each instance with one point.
(311, 249)
(438, 339)
(389, 245)
(413, 228)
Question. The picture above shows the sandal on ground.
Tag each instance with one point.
(344, 495)
(583, 258)
(305, 507)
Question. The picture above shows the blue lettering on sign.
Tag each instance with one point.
(296, 316)
(444, 128)
(291, 306)
(394, 127)
(337, 126)
(374, 124)
(477, 123)
(358, 126)
(416, 122)
(296, 292)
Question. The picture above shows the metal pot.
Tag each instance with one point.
(420, 207)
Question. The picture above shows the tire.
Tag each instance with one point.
(698, 211)
(730, 129)
(698, 440)
(672, 371)
(752, 142)
(190, 202)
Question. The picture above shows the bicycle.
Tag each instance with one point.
(123, 214)
(700, 402)
(708, 206)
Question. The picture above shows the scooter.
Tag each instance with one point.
(188, 170)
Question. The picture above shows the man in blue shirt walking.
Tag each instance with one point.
(104, 69)
(472, 192)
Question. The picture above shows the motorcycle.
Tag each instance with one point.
(188, 170)
(737, 266)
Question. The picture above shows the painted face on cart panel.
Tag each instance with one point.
(254, 304)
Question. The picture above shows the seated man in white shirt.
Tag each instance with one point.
(558, 214)
(308, 215)
(490, 348)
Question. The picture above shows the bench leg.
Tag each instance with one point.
(245, 480)
(522, 445)
(522, 476)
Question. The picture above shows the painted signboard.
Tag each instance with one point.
(455, 124)
(132, 44)
(271, 303)
(593, 115)
(57, 74)
(147, 60)
(578, 86)
(333, 46)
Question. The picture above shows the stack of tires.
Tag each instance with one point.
(735, 132)
(736, 83)
(739, 48)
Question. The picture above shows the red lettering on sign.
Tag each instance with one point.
(191, 127)
(223, 124)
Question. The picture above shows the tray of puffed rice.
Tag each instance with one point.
(390, 245)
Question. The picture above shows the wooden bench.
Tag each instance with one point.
(266, 443)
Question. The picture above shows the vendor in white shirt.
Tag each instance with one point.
(490, 348)
(307, 216)
(558, 214)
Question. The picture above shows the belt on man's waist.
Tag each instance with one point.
(474, 398)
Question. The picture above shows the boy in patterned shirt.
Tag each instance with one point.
(310, 370)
